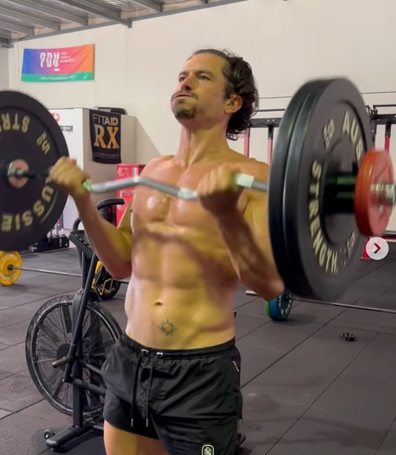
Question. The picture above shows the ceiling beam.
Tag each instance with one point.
(5, 43)
(170, 12)
(46, 8)
(98, 10)
(152, 4)
(64, 31)
(14, 13)
(14, 27)
(5, 34)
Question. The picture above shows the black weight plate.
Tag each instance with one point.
(331, 135)
(28, 132)
(308, 91)
(277, 174)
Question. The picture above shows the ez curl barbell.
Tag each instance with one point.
(327, 188)
(241, 180)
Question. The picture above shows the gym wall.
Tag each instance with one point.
(4, 70)
(286, 42)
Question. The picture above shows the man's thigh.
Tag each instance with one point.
(198, 410)
(192, 437)
(120, 442)
(118, 413)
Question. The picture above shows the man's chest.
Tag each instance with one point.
(152, 206)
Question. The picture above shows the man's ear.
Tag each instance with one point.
(233, 104)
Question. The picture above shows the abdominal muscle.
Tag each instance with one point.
(179, 297)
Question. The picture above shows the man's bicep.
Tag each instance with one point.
(256, 211)
(125, 224)
(256, 214)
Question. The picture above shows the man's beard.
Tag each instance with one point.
(183, 113)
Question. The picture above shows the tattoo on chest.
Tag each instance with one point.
(168, 327)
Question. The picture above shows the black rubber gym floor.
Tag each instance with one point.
(306, 390)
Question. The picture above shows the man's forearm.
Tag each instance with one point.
(253, 266)
(112, 245)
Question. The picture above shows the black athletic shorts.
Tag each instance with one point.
(188, 399)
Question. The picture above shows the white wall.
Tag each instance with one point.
(286, 42)
(4, 69)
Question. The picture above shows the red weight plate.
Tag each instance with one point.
(372, 218)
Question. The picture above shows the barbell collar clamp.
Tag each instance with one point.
(21, 173)
(386, 194)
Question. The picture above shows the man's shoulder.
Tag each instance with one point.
(250, 166)
(157, 163)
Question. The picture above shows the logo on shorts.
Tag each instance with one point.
(207, 449)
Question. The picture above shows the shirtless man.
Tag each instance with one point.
(173, 377)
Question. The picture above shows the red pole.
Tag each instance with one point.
(388, 130)
(365, 256)
(270, 142)
(246, 143)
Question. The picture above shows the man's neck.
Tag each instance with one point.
(200, 146)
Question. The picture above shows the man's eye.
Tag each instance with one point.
(203, 77)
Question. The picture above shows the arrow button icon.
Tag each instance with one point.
(377, 248)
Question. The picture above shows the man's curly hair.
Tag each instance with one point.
(240, 81)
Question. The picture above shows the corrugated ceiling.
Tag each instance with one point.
(27, 19)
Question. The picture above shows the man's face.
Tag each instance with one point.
(200, 93)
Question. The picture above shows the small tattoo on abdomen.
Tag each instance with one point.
(168, 327)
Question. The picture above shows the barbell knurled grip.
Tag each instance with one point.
(99, 188)
(187, 195)
(248, 181)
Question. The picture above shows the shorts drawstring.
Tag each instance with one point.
(143, 353)
(135, 380)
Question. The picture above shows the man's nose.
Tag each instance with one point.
(188, 83)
